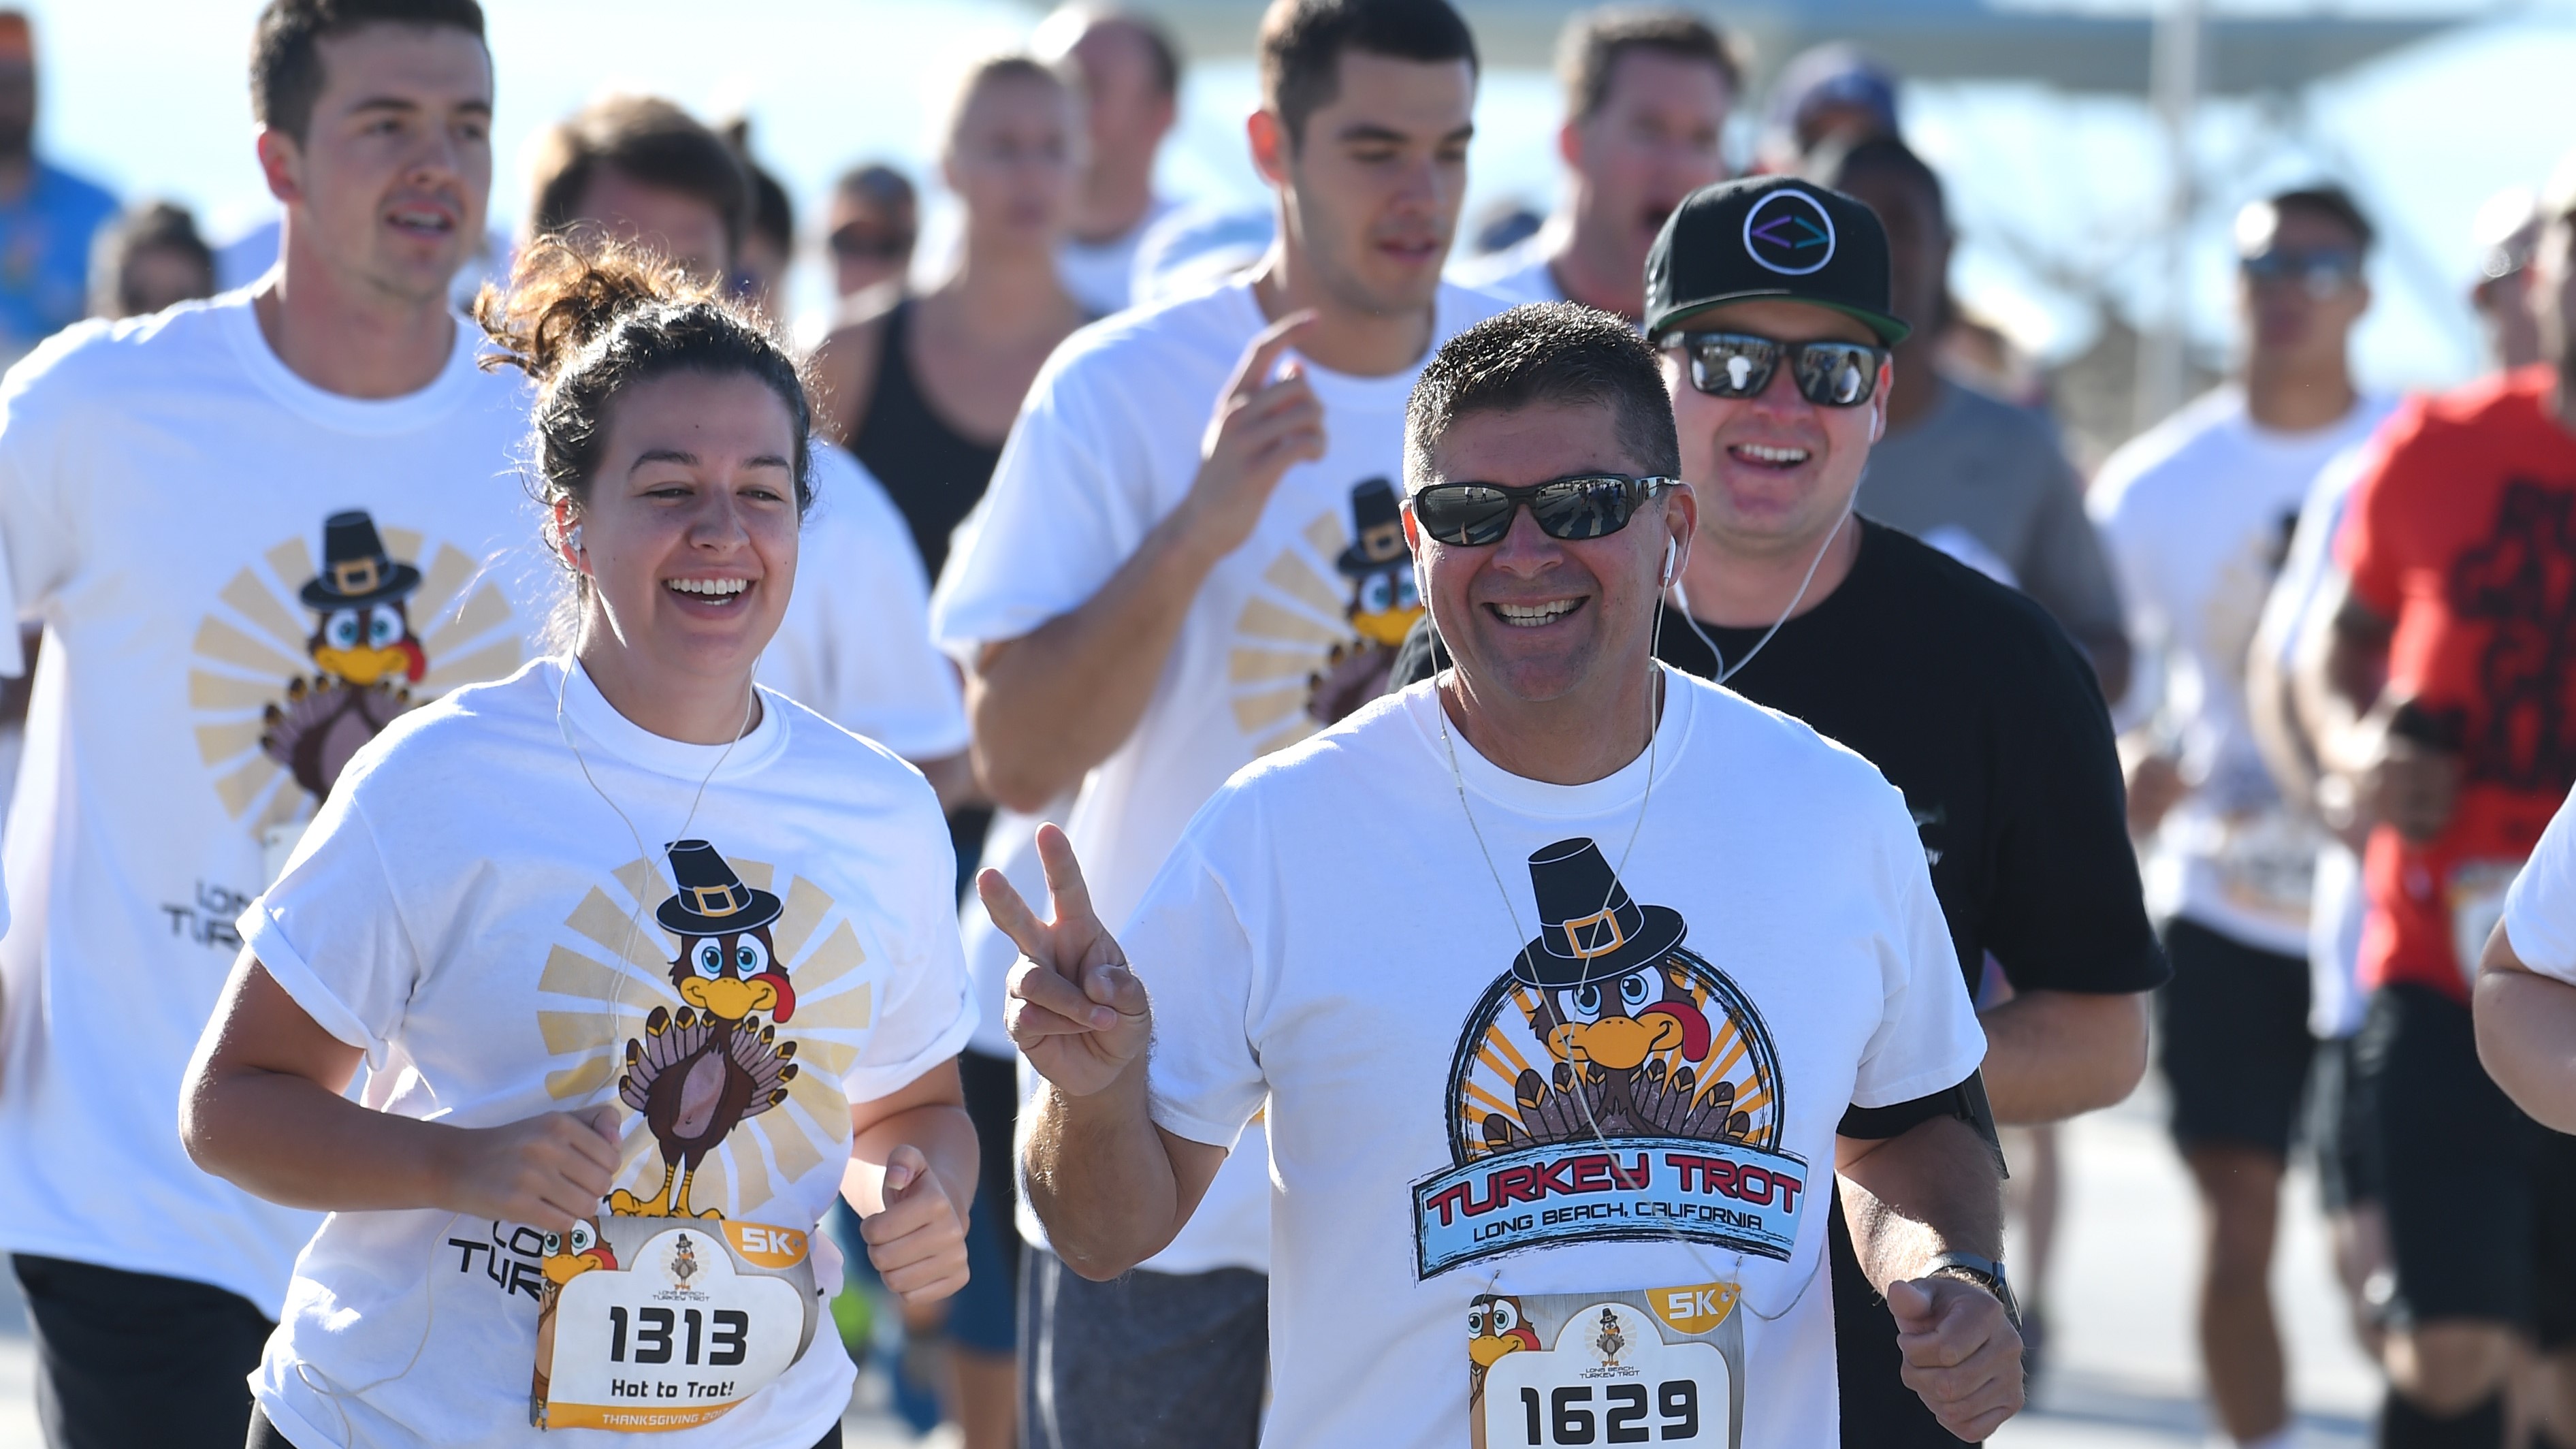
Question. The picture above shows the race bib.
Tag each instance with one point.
(650, 1324)
(2475, 894)
(1663, 1366)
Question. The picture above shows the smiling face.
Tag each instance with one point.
(1539, 618)
(1373, 186)
(729, 976)
(388, 185)
(1013, 159)
(689, 533)
(1773, 472)
(1655, 139)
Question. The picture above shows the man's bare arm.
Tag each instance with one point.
(2051, 1055)
(1933, 1189)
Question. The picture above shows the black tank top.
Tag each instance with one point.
(933, 472)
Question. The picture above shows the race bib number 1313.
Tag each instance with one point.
(1662, 1366)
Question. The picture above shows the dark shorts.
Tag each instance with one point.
(1145, 1361)
(2232, 1028)
(982, 1316)
(136, 1359)
(265, 1435)
(2340, 1129)
(1879, 1411)
(2481, 1200)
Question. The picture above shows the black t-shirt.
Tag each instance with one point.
(1972, 701)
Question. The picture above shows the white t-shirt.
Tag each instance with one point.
(1517, 273)
(205, 535)
(2540, 909)
(2198, 514)
(1098, 273)
(471, 913)
(855, 643)
(1331, 938)
(1105, 447)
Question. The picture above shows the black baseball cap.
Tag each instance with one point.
(1771, 237)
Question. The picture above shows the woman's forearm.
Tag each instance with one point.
(288, 1139)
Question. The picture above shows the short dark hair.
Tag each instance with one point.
(286, 56)
(1588, 51)
(2328, 200)
(153, 226)
(1302, 42)
(1832, 165)
(1544, 354)
(651, 141)
(773, 214)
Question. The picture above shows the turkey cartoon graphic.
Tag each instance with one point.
(1614, 1071)
(365, 659)
(1385, 600)
(700, 1071)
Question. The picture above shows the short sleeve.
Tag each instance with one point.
(330, 933)
(38, 482)
(2540, 909)
(1195, 955)
(1062, 515)
(855, 645)
(2127, 537)
(2068, 910)
(2065, 568)
(1927, 1037)
(2382, 519)
(927, 1014)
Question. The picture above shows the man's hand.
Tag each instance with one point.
(1075, 1009)
(547, 1171)
(2411, 785)
(918, 1244)
(2155, 787)
(1961, 1353)
(1261, 427)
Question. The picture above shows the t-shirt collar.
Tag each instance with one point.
(595, 722)
(455, 382)
(1620, 789)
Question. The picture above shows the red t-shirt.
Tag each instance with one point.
(2463, 531)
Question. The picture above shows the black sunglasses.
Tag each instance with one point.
(1739, 365)
(1587, 505)
(857, 245)
(2321, 272)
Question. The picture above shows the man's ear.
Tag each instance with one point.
(1271, 146)
(1569, 143)
(281, 164)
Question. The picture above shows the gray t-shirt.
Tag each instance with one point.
(1987, 483)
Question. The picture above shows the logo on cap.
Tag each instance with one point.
(1788, 232)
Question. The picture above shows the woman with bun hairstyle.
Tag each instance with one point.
(647, 963)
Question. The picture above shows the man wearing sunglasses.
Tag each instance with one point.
(1769, 302)
(2199, 513)
(1559, 977)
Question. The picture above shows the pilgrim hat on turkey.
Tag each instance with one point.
(1381, 531)
(712, 901)
(355, 567)
(1589, 928)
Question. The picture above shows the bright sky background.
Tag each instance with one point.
(149, 97)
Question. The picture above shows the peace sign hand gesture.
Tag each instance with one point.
(1075, 1009)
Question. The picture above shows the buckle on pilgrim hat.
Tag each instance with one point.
(716, 900)
(1575, 934)
(356, 576)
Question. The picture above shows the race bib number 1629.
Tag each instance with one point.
(1661, 1366)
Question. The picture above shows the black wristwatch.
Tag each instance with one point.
(1986, 1273)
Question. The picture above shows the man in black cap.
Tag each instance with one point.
(1562, 980)
(1769, 299)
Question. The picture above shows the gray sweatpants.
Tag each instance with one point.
(1147, 1361)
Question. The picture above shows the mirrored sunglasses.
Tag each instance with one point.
(2321, 272)
(1586, 505)
(1739, 365)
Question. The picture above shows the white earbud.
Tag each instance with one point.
(1672, 559)
(572, 540)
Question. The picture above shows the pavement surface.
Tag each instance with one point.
(2124, 1373)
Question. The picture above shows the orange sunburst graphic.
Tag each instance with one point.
(607, 981)
(266, 652)
(1514, 1090)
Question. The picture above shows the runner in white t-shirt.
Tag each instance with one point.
(1646, 97)
(647, 964)
(1556, 976)
(2198, 515)
(257, 529)
(2526, 993)
(1190, 557)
